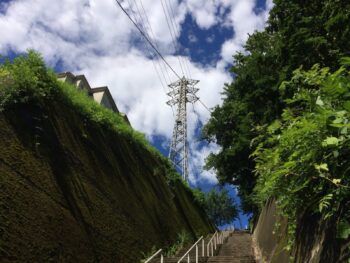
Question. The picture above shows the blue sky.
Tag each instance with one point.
(94, 38)
(203, 46)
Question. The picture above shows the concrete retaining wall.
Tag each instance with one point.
(316, 239)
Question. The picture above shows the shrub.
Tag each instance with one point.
(303, 161)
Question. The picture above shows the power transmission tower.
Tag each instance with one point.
(182, 91)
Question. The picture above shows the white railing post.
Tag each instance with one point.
(154, 255)
(188, 251)
(215, 242)
(197, 254)
(202, 247)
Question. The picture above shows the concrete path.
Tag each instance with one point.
(237, 249)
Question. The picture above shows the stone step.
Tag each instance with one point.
(176, 259)
(228, 259)
(206, 260)
(236, 249)
(182, 251)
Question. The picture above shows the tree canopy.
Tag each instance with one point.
(298, 34)
(218, 205)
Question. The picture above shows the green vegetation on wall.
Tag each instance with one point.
(283, 125)
(302, 160)
(298, 33)
(81, 185)
(27, 79)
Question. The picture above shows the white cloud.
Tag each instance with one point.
(199, 153)
(203, 12)
(244, 21)
(95, 38)
(208, 13)
(137, 91)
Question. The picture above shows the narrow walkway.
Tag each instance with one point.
(174, 259)
(237, 249)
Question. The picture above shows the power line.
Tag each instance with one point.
(204, 106)
(143, 26)
(140, 21)
(177, 32)
(161, 65)
(147, 39)
(171, 29)
(154, 40)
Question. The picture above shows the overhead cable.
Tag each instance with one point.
(205, 106)
(161, 65)
(143, 26)
(177, 31)
(171, 29)
(146, 38)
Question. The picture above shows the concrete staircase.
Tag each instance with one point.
(237, 249)
(182, 251)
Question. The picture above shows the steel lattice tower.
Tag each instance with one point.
(182, 92)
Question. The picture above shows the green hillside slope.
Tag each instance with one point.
(75, 189)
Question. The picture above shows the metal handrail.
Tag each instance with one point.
(217, 239)
(212, 244)
(188, 251)
(154, 255)
(216, 232)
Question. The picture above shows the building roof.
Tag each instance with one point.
(125, 117)
(70, 77)
(106, 92)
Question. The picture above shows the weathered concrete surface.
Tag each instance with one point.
(73, 191)
(237, 249)
(269, 241)
(316, 240)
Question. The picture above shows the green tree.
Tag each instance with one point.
(302, 160)
(25, 79)
(218, 205)
(247, 102)
(299, 33)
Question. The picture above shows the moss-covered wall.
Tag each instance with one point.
(316, 239)
(73, 191)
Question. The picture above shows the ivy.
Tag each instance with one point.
(303, 160)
